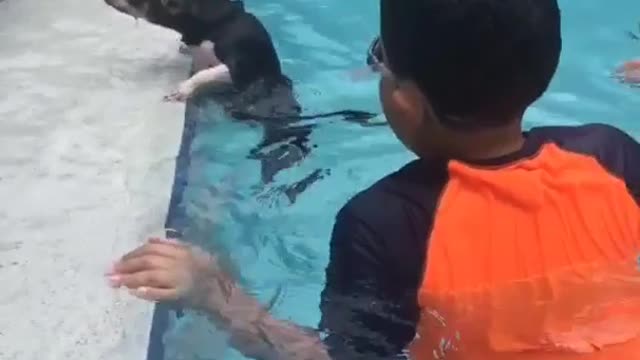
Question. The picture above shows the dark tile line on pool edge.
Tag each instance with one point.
(175, 220)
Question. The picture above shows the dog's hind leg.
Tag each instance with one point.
(283, 157)
(281, 148)
(294, 190)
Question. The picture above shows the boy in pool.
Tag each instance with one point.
(494, 244)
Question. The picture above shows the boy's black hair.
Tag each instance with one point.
(480, 62)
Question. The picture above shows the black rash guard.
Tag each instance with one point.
(379, 244)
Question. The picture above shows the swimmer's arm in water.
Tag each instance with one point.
(169, 270)
(258, 335)
(364, 316)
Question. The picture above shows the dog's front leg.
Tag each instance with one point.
(185, 49)
(216, 75)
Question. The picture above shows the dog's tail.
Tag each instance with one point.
(354, 116)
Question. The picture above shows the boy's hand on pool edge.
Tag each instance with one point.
(170, 270)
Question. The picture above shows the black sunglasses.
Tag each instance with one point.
(374, 54)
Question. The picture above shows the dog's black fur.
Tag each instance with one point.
(260, 91)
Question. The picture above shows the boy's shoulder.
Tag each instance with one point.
(613, 148)
(416, 187)
(404, 195)
(583, 137)
(390, 220)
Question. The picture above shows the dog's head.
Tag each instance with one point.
(204, 10)
(135, 8)
(160, 12)
(175, 14)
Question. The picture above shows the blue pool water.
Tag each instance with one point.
(219, 204)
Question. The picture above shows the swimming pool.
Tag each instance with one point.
(217, 199)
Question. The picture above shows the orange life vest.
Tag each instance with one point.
(532, 261)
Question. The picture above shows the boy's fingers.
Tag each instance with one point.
(142, 263)
(149, 278)
(159, 249)
(139, 251)
(172, 242)
(154, 294)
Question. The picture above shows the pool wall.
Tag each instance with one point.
(87, 150)
(175, 221)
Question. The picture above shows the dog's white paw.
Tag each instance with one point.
(184, 91)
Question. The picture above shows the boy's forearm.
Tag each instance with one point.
(257, 334)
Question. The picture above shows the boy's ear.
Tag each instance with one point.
(410, 102)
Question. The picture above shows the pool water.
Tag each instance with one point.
(281, 249)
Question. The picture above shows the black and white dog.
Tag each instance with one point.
(231, 48)
(235, 60)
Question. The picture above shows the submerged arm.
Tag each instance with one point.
(258, 335)
(365, 313)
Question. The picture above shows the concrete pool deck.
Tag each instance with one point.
(87, 156)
